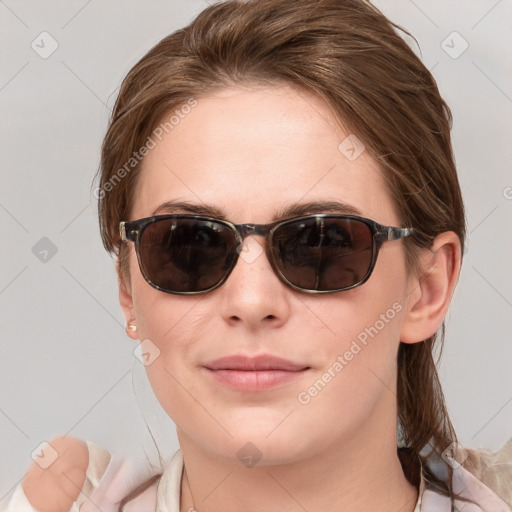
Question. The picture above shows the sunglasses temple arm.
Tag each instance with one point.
(122, 231)
(391, 233)
(127, 232)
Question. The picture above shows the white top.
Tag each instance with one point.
(105, 488)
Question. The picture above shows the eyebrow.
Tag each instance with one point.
(288, 211)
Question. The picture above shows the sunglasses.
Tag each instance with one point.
(321, 253)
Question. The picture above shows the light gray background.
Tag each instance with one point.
(67, 366)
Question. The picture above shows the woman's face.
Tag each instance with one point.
(250, 152)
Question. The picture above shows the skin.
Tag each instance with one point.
(55, 488)
(250, 151)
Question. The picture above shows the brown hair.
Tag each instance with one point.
(351, 55)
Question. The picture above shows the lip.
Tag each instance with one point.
(258, 373)
(256, 363)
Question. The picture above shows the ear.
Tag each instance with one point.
(431, 291)
(126, 302)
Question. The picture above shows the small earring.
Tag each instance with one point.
(130, 326)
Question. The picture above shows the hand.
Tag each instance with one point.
(55, 488)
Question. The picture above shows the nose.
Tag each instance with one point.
(253, 294)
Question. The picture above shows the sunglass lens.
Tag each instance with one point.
(324, 253)
(186, 255)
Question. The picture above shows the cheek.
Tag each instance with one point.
(359, 371)
(367, 336)
(169, 328)
(162, 333)
(370, 315)
(363, 325)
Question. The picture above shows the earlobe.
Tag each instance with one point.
(431, 292)
(126, 302)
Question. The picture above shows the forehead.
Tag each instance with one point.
(252, 151)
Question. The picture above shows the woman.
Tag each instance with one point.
(278, 186)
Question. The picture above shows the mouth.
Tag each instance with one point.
(254, 373)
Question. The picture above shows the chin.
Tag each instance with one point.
(272, 446)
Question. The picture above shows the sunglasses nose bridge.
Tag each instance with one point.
(245, 230)
(252, 229)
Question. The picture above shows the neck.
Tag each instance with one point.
(355, 476)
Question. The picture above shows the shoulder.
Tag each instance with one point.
(160, 492)
(492, 469)
(107, 480)
(120, 481)
(63, 472)
(481, 476)
(478, 475)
